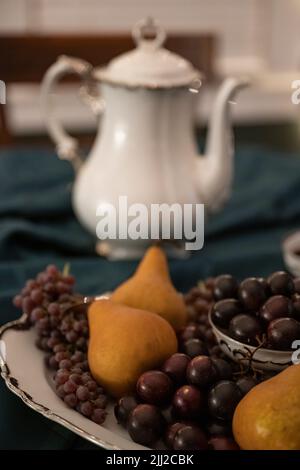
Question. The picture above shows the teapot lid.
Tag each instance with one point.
(149, 65)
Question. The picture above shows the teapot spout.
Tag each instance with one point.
(216, 168)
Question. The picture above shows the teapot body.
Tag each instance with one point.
(145, 150)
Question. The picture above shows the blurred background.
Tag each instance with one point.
(256, 38)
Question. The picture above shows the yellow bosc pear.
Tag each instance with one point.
(268, 417)
(124, 343)
(151, 288)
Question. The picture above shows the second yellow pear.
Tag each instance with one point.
(268, 417)
(151, 288)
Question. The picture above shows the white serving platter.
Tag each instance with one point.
(23, 370)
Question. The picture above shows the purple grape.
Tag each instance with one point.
(223, 399)
(54, 308)
(101, 401)
(245, 328)
(65, 364)
(171, 433)
(123, 408)
(201, 371)
(283, 332)
(36, 296)
(190, 438)
(223, 311)
(281, 283)
(223, 368)
(252, 294)
(70, 387)
(246, 383)
(82, 393)
(217, 427)
(223, 443)
(226, 286)
(17, 301)
(146, 424)
(86, 408)
(175, 367)
(70, 400)
(276, 307)
(76, 378)
(98, 416)
(37, 314)
(195, 347)
(190, 332)
(154, 387)
(188, 402)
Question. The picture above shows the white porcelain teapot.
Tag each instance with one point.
(145, 148)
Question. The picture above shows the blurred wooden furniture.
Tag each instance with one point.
(24, 59)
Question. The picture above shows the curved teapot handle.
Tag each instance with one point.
(67, 147)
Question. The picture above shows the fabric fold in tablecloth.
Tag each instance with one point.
(37, 227)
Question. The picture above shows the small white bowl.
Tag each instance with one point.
(290, 245)
(262, 359)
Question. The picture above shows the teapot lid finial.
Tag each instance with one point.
(148, 31)
(149, 65)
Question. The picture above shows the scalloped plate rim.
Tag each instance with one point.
(41, 409)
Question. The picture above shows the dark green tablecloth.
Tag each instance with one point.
(37, 227)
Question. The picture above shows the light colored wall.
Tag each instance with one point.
(259, 38)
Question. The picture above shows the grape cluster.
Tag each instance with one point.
(259, 311)
(188, 403)
(59, 317)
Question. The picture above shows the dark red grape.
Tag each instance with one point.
(195, 347)
(86, 408)
(190, 438)
(154, 387)
(65, 364)
(175, 367)
(101, 401)
(62, 376)
(171, 432)
(27, 305)
(223, 311)
(123, 408)
(71, 400)
(37, 314)
(17, 301)
(223, 399)
(98, 416)
(223, 443)
(215, 351)
(82, 393)
(245, 328)
(296, 306)
(201, 306)
(146, 424)
(252, 294)
(70, 387)
(217, 427)
(245, 384)
(188, 402)
(190, 332)
(282, 332)
(281, 283)
(192, 295)
(276, 307)
(297, 285)
(223, 368)
(226, 286)
(201, 371)
(36, 296)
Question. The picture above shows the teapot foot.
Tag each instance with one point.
(115, 252)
